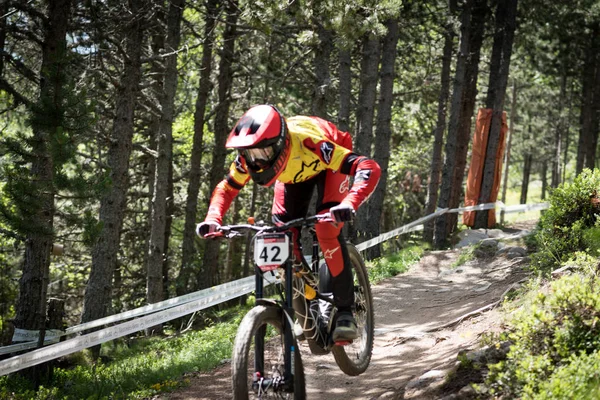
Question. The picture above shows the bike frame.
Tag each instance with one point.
(287, 300)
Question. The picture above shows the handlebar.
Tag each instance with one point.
(230, 231)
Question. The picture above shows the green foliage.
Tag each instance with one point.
(570, 224)
(393, 264)
(559, 328)
(578, 379)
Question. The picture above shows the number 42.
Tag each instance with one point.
(275, 251)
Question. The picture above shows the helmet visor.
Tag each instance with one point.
(259, 157)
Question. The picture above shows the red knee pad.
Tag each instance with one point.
(327, 234)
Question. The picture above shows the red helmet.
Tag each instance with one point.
(261, 137)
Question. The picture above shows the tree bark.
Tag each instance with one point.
(193, 189)
(584, 150)
(383, 130)
(208, 273)
(527, 163)
(506, 17)
(595, 120)
(4, 7)
(559, 132)
(345, 76)
(47, 118)
(544, 179)
(461, 113)
(97, 298)
(164, 149)
(365, 113)
(321, 65)
(511, 132)
(436, 158)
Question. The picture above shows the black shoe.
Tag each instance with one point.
(345, 327)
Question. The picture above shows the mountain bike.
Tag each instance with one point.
(266, 362)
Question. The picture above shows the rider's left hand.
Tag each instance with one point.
(342, 212)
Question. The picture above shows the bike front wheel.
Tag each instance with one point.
(264, 324)
(353, 359)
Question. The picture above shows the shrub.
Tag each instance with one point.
(558, 324)
(578, 379)
(571, 222)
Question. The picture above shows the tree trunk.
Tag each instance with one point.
(383, 130)
(527, 162)
(321, 65)
(436, 158)
(364, 114)
(584, 150)
(209, 271)
(3, 11)
(97, 299)
(559, 132)
(506, 16)
(511, 132)
(595, 120)
(47, 119)
(568, 132)
(345, 76)
(170, 210)
(461, 113)
(543, 178)
(246, 266)
(234, 251)
(193, 190)
(164, 149)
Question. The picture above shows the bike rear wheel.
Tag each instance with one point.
(266, 321)
(353, 359)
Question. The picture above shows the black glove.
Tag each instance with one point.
(342, 213)
(206, 227)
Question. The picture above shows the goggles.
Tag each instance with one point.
(259, 157)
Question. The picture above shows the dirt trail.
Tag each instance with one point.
(411, 311)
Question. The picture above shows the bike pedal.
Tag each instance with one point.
(343, 342)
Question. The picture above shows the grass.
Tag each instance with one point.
(393, 264)
(147, 367)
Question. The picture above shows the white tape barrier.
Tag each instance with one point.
(418, 224)
(411, 227)
(79, 343)
(30, 338)
(163, 305)
(174, 308)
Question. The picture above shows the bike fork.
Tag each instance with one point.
(259, 339)
(288, 337)
(287, 326)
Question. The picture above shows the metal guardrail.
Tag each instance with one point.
(157, 313)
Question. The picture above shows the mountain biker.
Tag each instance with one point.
(298, 154)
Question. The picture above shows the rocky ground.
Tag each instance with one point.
(424, 319)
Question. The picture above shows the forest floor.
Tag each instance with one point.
(423, 319)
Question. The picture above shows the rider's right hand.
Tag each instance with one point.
(205, 228)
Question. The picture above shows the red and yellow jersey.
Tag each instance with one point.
(316, 145)
(311, 152)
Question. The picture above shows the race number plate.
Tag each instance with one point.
(271, 250)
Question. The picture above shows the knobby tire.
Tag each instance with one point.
(243, 368)
(354, 359)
